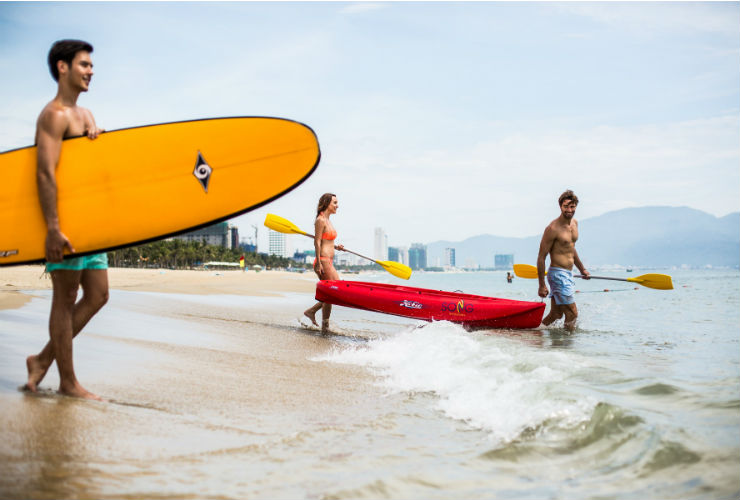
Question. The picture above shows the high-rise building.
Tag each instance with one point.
(449, 257)
(417, 256)
(247, 246)
(380, 247)
(503, 261)
(393, 254)
(233, 237)
(220, 234)
(279, 244)
(403, 255)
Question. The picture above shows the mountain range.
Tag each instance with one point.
(639, 237)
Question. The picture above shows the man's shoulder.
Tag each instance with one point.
(553, 225)
(53, 116)
(550, 232)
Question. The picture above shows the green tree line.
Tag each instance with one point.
(180, 254)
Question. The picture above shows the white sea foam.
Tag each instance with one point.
(497, 384)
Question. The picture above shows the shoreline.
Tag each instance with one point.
(187, 381)
(15, 280)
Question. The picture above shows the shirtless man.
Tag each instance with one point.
(72, 68)
(559, 240)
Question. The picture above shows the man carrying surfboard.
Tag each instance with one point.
(71, 66)
(559, 240)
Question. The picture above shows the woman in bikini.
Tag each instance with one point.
(323, 242)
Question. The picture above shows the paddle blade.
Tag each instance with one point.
(525, 271)
(396, 268)
(277, 223)
(657, 281)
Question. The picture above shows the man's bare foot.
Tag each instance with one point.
(36, 373)
(77, 391)
(311, 315)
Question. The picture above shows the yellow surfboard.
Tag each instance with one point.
(135, 185)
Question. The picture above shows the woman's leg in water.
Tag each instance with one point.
(330, 274)
(310, 313)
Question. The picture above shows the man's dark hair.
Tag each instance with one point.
(65, 50)
(568, 195)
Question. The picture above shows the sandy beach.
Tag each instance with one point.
(194, 366)
(264, 283)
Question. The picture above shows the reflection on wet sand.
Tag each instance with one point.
(186, 387)
(48, 436)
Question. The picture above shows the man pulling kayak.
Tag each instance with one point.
(559, 241)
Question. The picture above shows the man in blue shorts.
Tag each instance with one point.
(71, 66)
(559, 241)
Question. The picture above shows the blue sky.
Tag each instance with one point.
(436, 120)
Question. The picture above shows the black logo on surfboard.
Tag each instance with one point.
(202, 172)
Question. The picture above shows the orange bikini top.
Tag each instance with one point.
(331, 235)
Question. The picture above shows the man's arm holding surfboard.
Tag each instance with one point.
(91, 129)
(50, 130)
(53, 125)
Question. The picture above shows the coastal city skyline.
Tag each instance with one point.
(285, 245)
(647, 238)
(436, 121)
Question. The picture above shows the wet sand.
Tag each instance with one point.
(223, 377)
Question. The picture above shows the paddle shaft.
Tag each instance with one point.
(606, 278)
(656, 281)
(355, 253)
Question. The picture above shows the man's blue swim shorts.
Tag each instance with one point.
(94, 261)
(562, 285)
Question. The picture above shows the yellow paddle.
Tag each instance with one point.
(277, 223)
(657, 281)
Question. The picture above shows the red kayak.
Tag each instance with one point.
(472, 311)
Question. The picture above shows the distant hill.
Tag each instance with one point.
(640, 237)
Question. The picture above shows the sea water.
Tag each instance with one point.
(221, 396)
(641, 401)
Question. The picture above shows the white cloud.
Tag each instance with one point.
(650, 18)
(514, 178)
